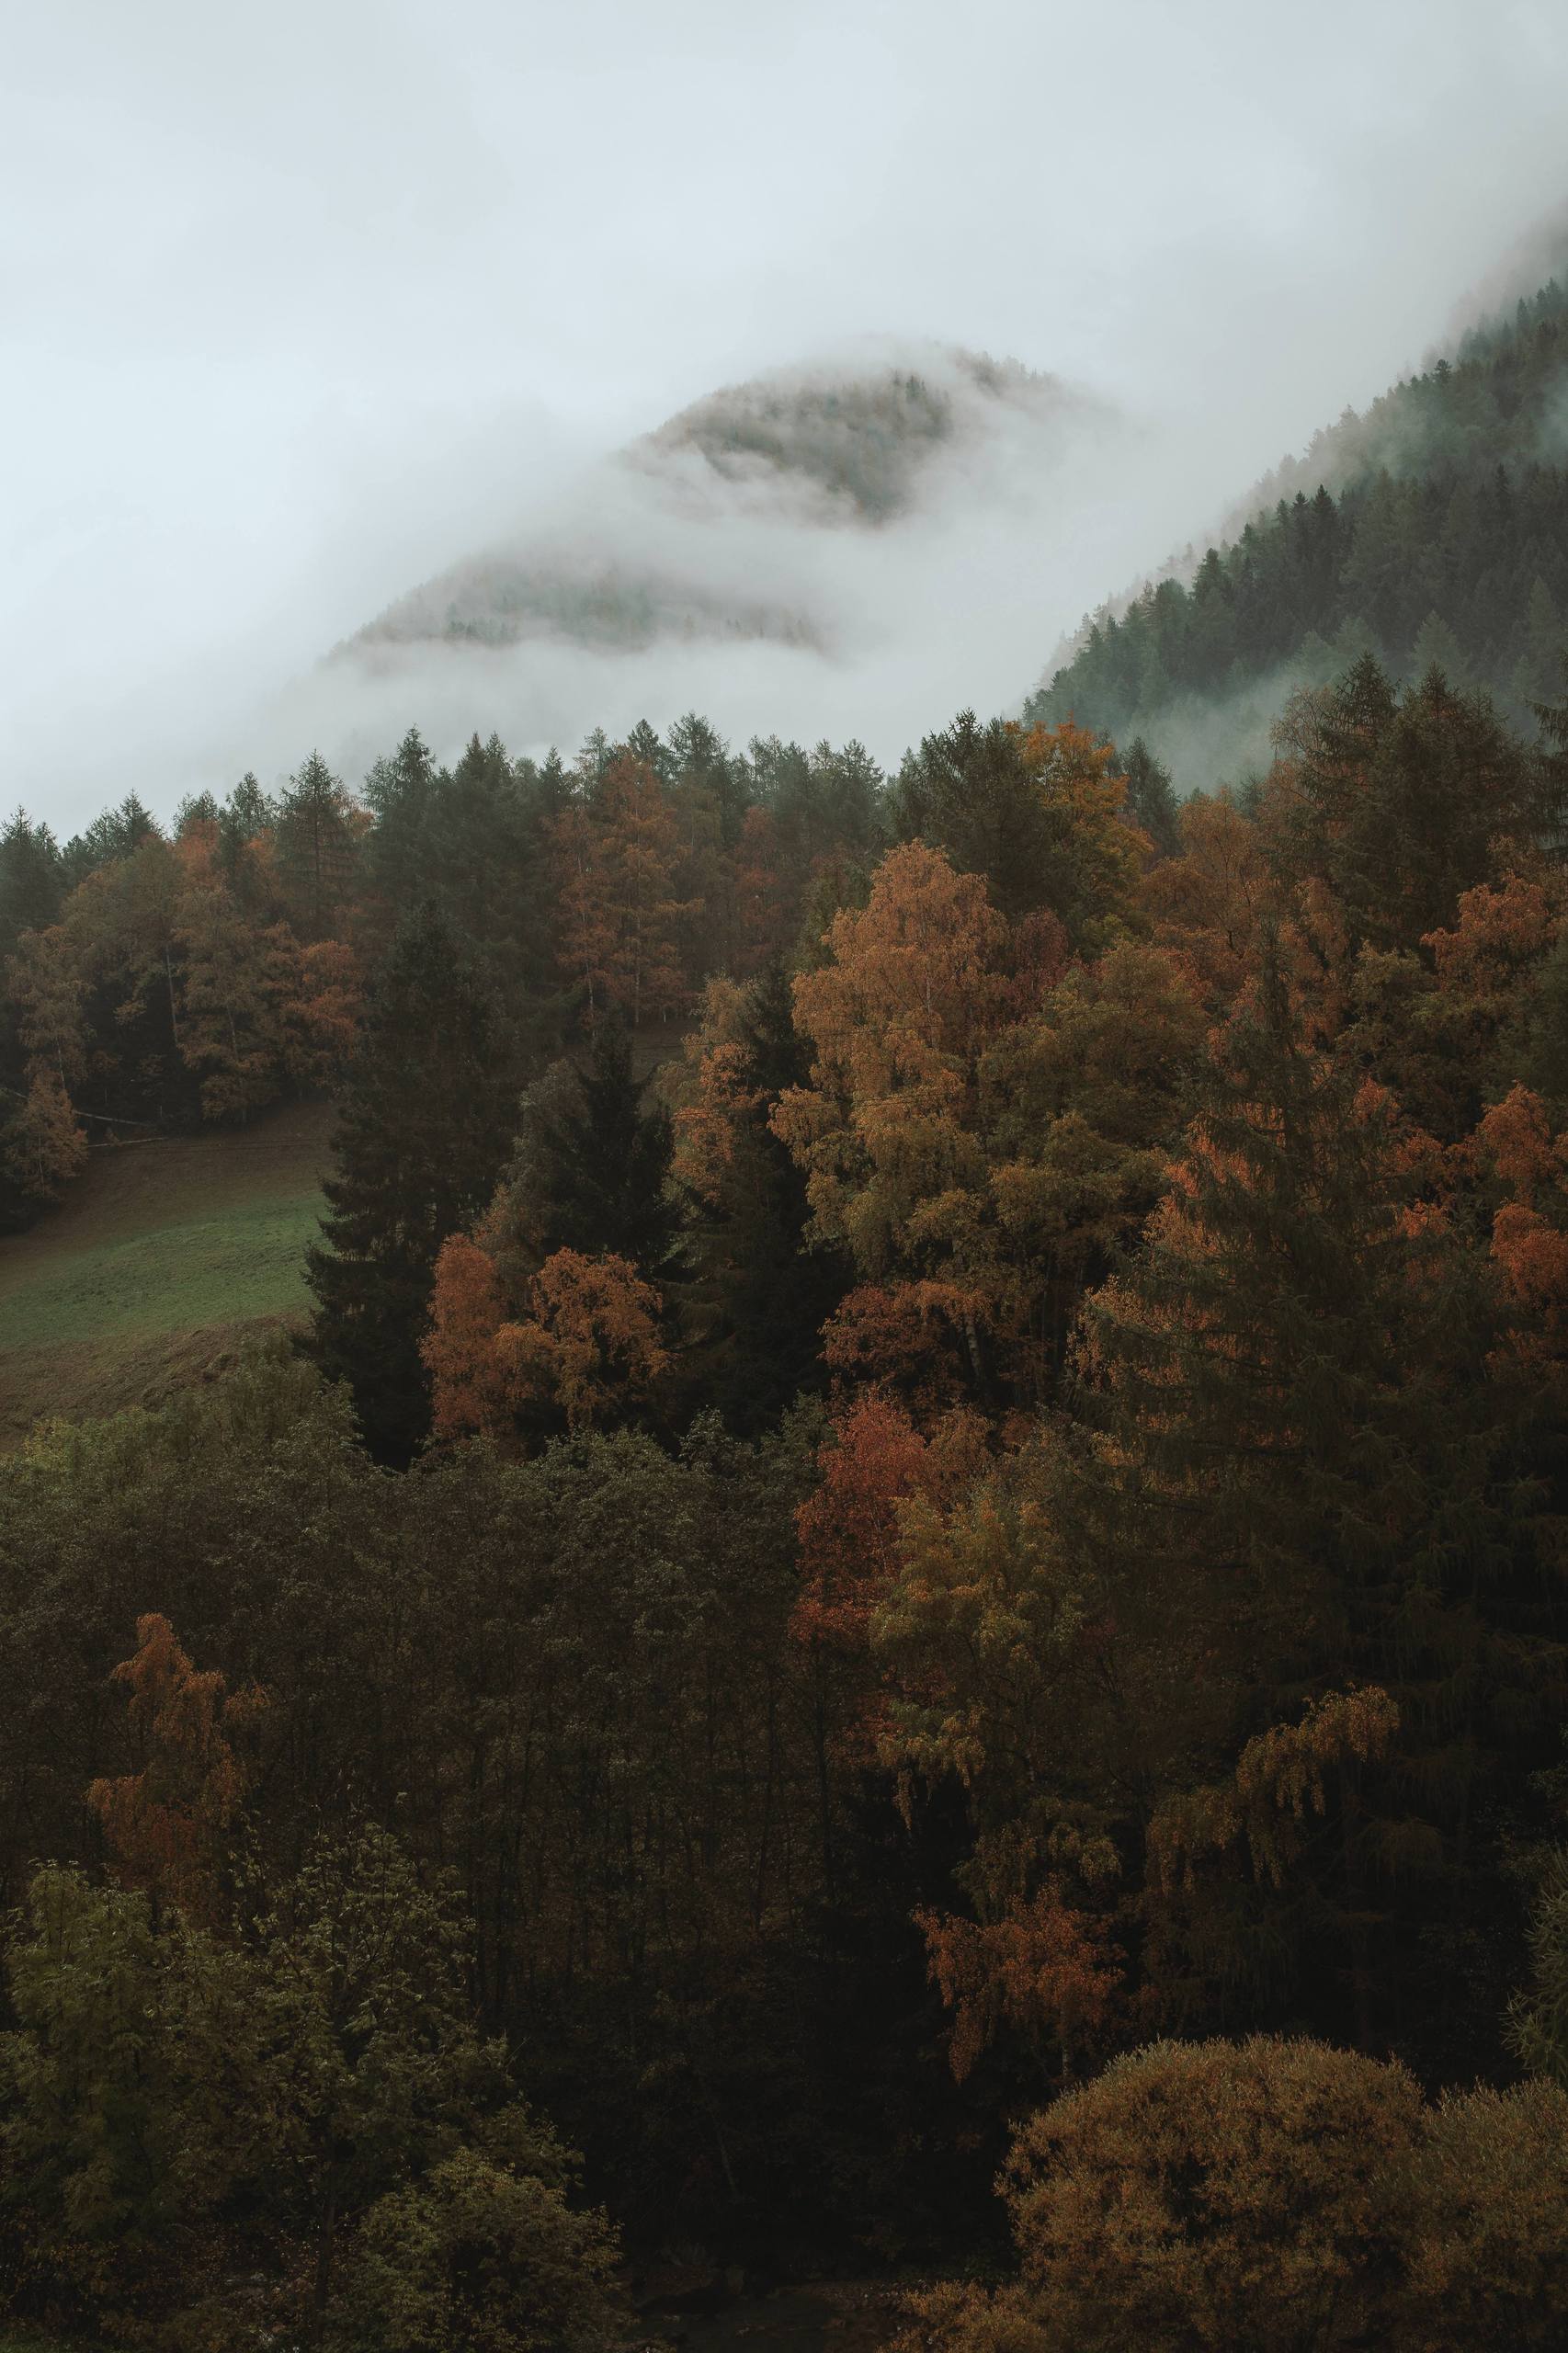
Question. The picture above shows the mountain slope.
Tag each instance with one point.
(693, 530)
(1433, 528)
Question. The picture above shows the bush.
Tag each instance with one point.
(1488, 2257)
(1217, 2194)
(478, 2259)
(951, 2319)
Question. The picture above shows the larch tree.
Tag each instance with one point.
(616, 859)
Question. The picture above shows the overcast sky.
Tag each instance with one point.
(299, 302)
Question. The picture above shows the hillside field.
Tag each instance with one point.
(161, 1260)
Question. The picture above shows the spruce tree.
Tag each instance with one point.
(247, 814)
(33, 881)
(401, 792)
(759, 1298)
(968, 791)
(1151, 798)
(316, 845)
(422, 1129)
(592, 1164)
(702, 764)
(1437, 648)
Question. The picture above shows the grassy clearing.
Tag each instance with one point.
(163, 1259)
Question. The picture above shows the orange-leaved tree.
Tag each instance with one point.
(873, 1460)
(42, 1147)
(469, 1393)
(1529, 1228)
(589, 1348)
(586, 1348)
(1098, 855)
(168, 1825)
(898, 1016)
(616, 859)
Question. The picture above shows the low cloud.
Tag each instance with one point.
(763, 595)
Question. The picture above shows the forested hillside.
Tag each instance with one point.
(993, 1526)
(1432, 530)
(918, 1546)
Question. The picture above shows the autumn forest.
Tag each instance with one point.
(902, 1613)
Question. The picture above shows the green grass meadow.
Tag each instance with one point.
(165, 1258)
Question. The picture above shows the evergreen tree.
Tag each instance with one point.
(245, 816)
(32, 881)
(399, 792)
(1545, 642)
(969, 792)
(1151, 798)
(1551, 760)
(702, 764)
(316, 845)
(850, 787)
(195, 810)
(1400, 802)
(1440, 496)
(422, 1133)
(759, 1298)
(645, 744)
(592, 1167)
(481, 858)
(117, 833)
(1437, 648)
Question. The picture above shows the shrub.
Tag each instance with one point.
(478, 2259)
(1217, 2194)
(951, 2319)
(1488, 2255)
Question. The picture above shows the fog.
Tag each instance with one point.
(303, 307)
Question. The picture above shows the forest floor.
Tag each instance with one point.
(164, 1257)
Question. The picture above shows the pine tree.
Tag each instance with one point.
(1437, 648)
(758, 1300)
(315, 846)
(592, 1164)
(422, 1133)
(968, 791)
(33, 881)
(401, 794)
(1151, 799)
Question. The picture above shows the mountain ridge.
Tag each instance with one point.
(1432, 527)
(646, 552)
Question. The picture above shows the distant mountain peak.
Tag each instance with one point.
(862, 436)
(659, 544)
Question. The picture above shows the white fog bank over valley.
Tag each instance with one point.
(547, 370)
